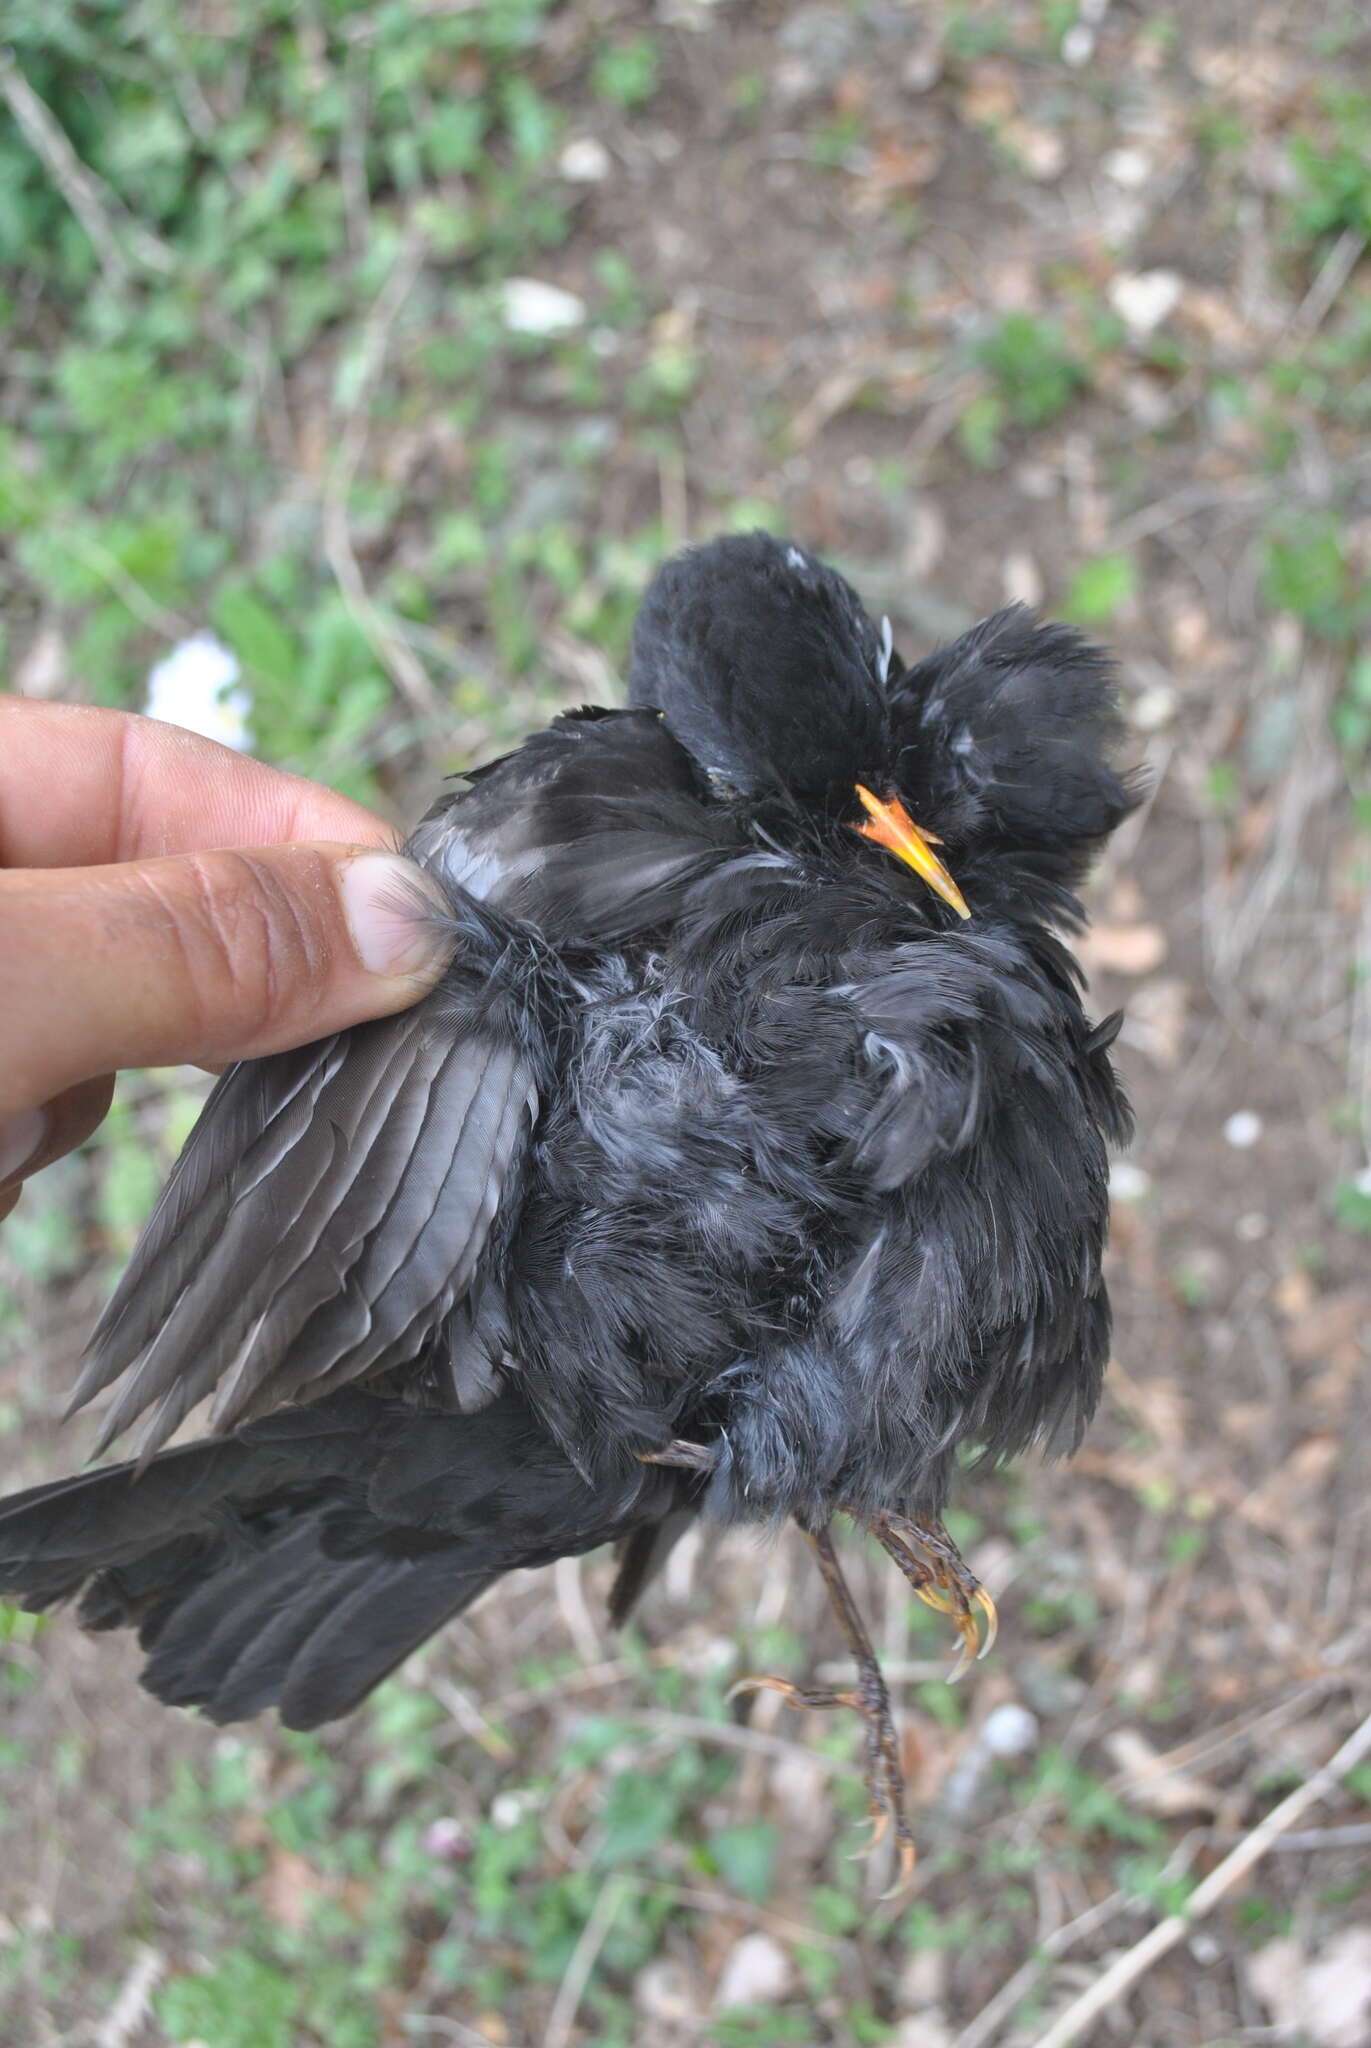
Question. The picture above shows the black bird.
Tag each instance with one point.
(743, 1164)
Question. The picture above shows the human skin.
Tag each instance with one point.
(164, 900)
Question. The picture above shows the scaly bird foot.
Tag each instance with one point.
(884, 1772)
(939, 1574)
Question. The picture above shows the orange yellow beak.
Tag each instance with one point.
(891, 826)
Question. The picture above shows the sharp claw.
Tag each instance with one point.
(992, 1620)
(740, 1686)
(909, 1856)
(936, 1573)
(793, 1695)
(933, 1597)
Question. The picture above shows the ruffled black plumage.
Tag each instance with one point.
(721, 1128)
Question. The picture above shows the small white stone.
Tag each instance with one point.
(1022, 579)
(923, 1980)
(1362, 1181)
(716, 1654)
(757, 1972)
(1144, 298)
(585, 161)
(923, 2030)
(1252, 1227)
(1243, 1129)
(507, 1809)
(1035, 480)
(1041, 151)
(528, 305)
(1078, 46)
(1010, 1730)
(1130, 168)
(196, 686)
(1154, 708)
(664, 1991)
(1128, 1183)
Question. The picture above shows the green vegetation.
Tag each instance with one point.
(1035, 372)
(1098, 590)
(356, 209)
(1334, 170)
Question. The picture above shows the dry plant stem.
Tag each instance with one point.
(92, 202)
(571, 1990)
(1125, 1971)
(391, 650)
(125, 2018)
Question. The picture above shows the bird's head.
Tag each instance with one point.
(770, 673)
(1004, 743)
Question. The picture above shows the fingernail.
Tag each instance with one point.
(394, 914)
(21, 1139)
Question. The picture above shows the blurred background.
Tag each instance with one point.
(392, 345)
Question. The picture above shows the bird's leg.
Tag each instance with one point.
(869, 1698)
(935, 1568)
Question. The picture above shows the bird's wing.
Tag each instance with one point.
(326, 1215)
(594, 831)
(331, 1206)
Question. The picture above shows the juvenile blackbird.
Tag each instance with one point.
(744, 1163)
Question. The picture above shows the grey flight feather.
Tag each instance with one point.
(329, 1246)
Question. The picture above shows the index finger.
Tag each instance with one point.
(81, 786)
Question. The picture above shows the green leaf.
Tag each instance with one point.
(244, 2003)
(130, 1177)
(1035, 370)
(452, 137)
(1307, 572)
(255, 634)
(639, 1814)
(745, 1857)
(1098, 590)
(626, 72)
(979, 430)
(1352, 1204)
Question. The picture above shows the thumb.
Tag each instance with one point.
(205, 957)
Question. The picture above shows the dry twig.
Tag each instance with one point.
(1124, 1972)
(100, 211)
(584, 1957)
(125, 2018)
(396, 657)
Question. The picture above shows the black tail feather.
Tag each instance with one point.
(275, 1568)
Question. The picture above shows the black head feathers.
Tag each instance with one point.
(765, 667)
(775, 680)
(1004, 741)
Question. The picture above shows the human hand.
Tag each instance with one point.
(165, 900)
